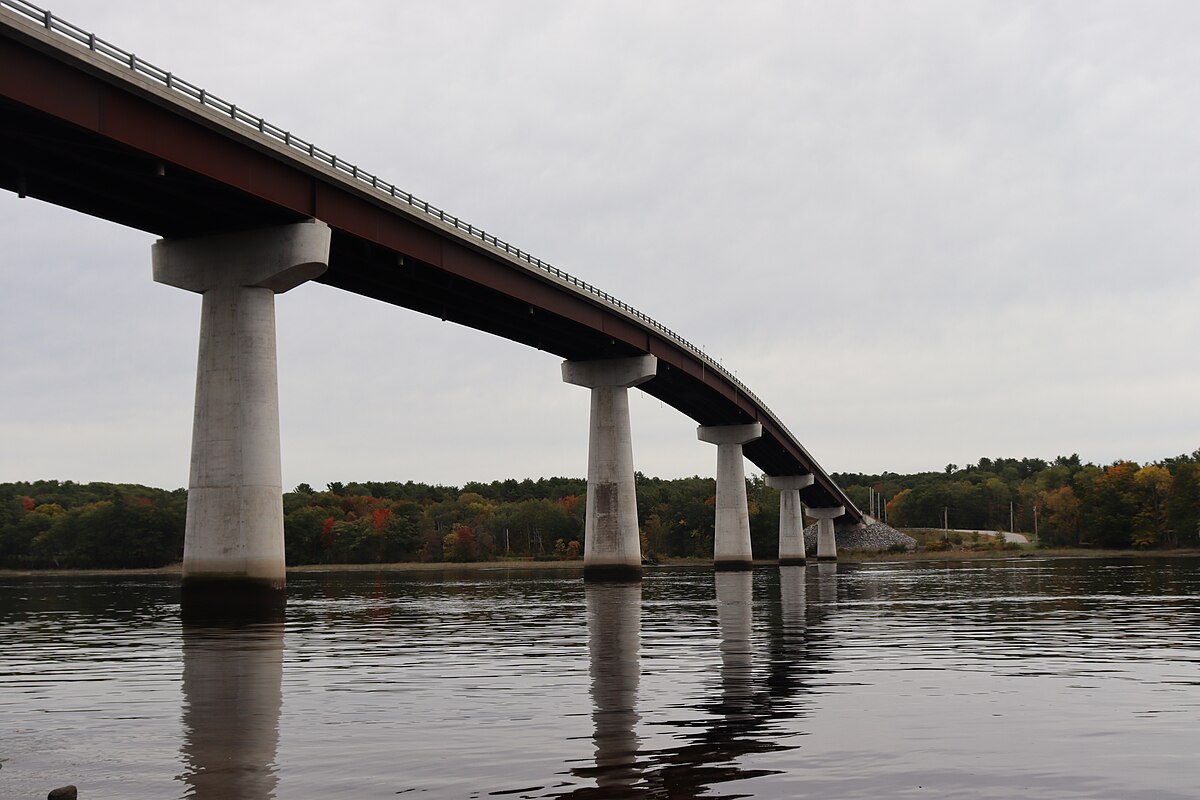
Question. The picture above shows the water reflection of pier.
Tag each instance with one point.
(614, 620)
(232, 678)
(762, 685)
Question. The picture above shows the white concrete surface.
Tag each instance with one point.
(234, 529)
(279, 258)
(826, 540)
(791, 516)
(611, 543)
(731, 532)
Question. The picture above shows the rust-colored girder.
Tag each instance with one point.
(84, 133)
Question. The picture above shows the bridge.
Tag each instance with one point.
(247, 209)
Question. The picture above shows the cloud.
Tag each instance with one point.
(921, 233)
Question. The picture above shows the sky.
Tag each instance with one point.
(921, 232)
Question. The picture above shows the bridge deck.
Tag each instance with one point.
(121, 140)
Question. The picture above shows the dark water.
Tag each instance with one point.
(1025, 678)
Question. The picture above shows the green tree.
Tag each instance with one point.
(532, 526)
(1153, 485)
(1112, 504)
(763, 507)
(1059, 517)
(460, 545)
(1183, 504)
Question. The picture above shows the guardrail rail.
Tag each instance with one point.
(366, 180)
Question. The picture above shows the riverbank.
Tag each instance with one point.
(1022, 552)
(850, 557)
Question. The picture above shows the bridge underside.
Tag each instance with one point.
(71, 138)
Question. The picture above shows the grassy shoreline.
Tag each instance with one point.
(853, 557)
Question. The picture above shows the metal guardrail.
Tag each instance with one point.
(364, 179)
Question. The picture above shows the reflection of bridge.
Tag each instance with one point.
(247, 210)
(233, 704)
(760, 688)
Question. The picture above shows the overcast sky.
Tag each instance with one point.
(921, 232)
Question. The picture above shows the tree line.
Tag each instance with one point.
(48, 524)
(1066, 502)
(53, 524)
(63, 524)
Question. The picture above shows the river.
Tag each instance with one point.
(977, 679)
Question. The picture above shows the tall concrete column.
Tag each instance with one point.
(731, 532)
(826, 541)
(791, 517)
(233, 556)
(612, 548)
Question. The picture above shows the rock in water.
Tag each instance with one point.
(63, 793)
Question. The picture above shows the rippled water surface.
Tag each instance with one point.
(1022, 678)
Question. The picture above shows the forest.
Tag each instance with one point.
(1124, 505)
(1065, 502)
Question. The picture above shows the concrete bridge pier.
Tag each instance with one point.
(791, 517)
(612, 548)
(233, 556)
(731, 533)
(826, 541)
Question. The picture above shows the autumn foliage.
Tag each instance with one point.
(1122, 505)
